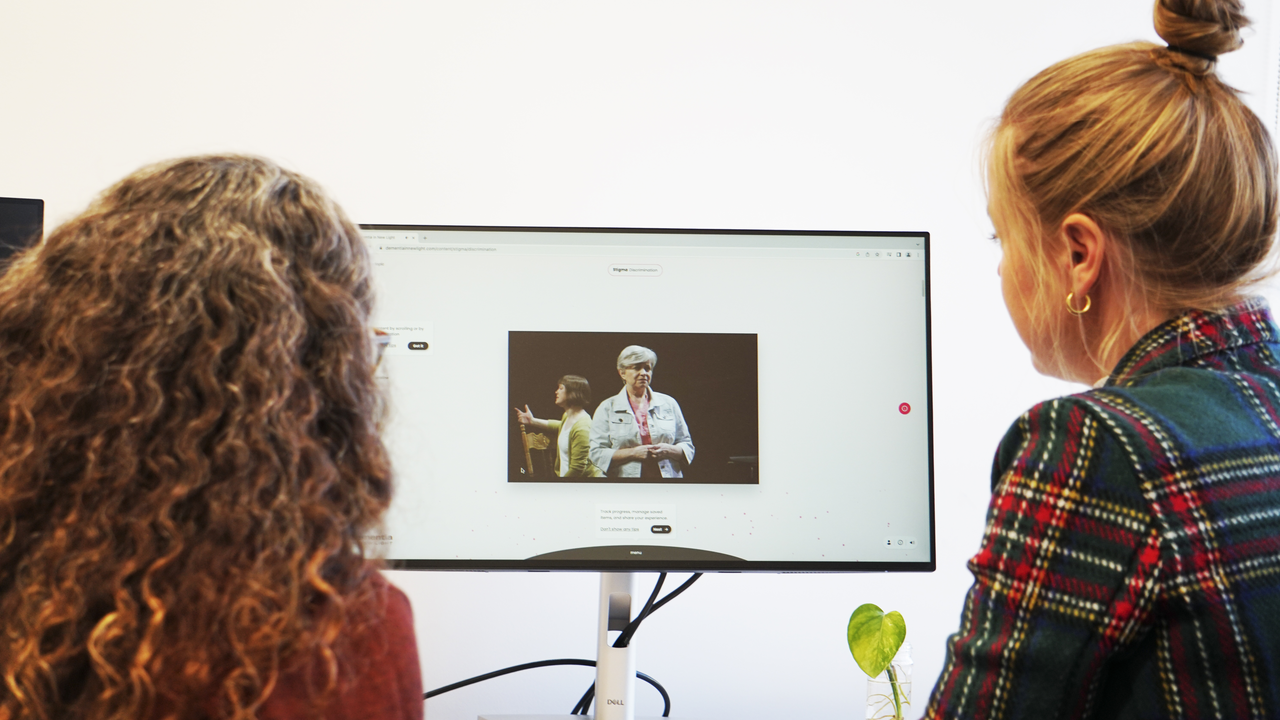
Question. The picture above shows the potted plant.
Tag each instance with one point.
(875, 637)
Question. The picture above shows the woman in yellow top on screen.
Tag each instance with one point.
(573, 443)
(639, 432)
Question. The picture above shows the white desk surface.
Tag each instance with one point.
(569, 717)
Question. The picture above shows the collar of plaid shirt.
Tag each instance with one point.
(1194, 335)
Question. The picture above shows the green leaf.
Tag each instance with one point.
(874, 637)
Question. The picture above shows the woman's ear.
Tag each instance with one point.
(1087, 245)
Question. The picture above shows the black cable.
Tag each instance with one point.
(666, 699)
(672, 595)
(634, 625)
(504, 671)
(584, 703)
(624, 637)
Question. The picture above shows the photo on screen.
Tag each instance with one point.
(703, 395)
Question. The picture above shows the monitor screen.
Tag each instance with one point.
(631, 400)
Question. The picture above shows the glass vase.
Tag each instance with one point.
(889, 694)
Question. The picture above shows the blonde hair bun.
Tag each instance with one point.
(1198, 31)
(1155, 148)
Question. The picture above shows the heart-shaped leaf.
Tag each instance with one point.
(874, 637)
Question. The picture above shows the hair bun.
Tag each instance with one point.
(1200, 30)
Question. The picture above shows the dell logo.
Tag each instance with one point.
(614, 702)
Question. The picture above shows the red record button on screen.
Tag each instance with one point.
(904, 408)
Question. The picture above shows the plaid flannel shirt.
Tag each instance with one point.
(1131, 561)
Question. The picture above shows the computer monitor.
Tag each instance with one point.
(21, 225)
(796, 364)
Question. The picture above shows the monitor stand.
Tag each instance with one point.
(615, 667)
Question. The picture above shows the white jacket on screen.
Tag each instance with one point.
(613, 427)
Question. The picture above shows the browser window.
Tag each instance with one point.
(785, 416)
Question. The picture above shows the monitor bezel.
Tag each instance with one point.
(744, 566)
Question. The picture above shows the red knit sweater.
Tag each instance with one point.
(388, 684)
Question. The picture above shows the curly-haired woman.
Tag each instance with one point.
(189, 459)
(1131, 564)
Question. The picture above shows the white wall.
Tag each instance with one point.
(712, 113)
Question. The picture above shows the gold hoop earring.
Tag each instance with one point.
(1088, 303)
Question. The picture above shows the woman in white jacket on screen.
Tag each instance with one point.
(640, 433)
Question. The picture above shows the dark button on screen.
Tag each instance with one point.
(417, 345)
(660, 529)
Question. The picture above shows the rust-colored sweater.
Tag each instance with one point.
(388, 684)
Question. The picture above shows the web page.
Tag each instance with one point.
(790, 389)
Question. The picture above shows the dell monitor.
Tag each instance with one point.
(755, 400)
(795, 366)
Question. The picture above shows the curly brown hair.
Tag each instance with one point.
(189, 448)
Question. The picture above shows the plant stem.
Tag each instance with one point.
(897, 698)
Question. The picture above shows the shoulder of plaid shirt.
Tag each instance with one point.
(1131, 560)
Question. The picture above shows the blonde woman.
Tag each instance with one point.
(1131, 564)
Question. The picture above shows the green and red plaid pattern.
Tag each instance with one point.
(1131, 561)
